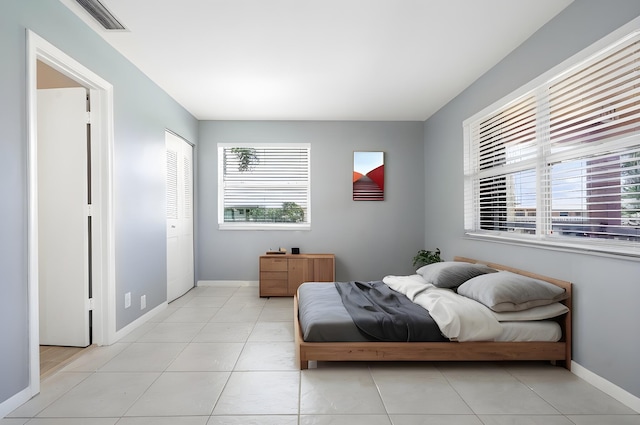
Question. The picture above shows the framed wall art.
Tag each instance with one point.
(368, 176)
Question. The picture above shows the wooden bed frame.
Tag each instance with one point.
(556, 352)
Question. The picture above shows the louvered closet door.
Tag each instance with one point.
(180, 275)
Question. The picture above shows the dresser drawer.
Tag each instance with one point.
(273, 287)
(279, 276)
(273, 264)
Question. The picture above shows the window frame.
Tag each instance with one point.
(543, 220)
(222, 225)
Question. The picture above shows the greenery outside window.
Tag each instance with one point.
(264, 186)
(560, 164)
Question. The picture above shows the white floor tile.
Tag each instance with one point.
(344, 420)
(260, 393)
(217, 291)
(246, 300)
(95, 358)
(74, 421)
(252, 289)
(525, 420)
(267, 356)
(14, 421)
(50, 390)
(568, 393)
(191, 314)
(160, 317)
(139, 332)
(224, 332)
(207, 357)
(180, 302)
(272, 331)
(172, 420)
(502, 398)
(276, 314)
(144, 357)
(172, 332)
(180, 394)
(417, 389)
(605, 419)
(339, 391)
(489, 391)
(235, 313)
(206, 302)
(254, 420)
(101, 395)
(279, 302)
(437, 420)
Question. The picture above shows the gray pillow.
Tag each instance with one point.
(451, 274)
(506, 291)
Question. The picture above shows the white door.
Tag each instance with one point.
(63, 222)
(180, 275)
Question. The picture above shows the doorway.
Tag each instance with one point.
(64, 223)
(99, 248)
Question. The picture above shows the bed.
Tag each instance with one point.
(554, 349)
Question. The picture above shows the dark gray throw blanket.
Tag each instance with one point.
(386, 315)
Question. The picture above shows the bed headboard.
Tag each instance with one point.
(565, 321)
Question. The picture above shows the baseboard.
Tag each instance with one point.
(139, 322)
(234, 283)
(12, 403)
(620, 394)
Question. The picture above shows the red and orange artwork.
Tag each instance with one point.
(368, 176)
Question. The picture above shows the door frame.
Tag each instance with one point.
(102, 248)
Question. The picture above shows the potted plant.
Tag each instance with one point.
(425, 257)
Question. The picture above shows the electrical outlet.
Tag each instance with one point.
(143, 302)
(127, 300)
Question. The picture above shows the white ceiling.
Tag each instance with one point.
(398, 60)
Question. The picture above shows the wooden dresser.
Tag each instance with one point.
(281, 274)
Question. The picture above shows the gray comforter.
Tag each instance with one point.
(383, 314)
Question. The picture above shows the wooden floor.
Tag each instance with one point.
(53, 358)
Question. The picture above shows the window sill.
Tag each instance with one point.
(594, 248)
(264, 226)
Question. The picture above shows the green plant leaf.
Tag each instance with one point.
(424, 257)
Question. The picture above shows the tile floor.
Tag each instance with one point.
(224, 356)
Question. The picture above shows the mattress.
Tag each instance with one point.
(535, 330)
(323, 318)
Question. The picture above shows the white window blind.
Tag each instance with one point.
(561, 164)
(264, 186)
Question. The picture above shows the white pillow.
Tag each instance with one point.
(536, 313)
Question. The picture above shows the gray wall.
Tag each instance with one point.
(370, 238)
(142, 112)
(607, 290)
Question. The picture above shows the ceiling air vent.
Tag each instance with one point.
(101, 14)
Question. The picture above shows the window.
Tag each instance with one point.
(263, 186)
(561, 163)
